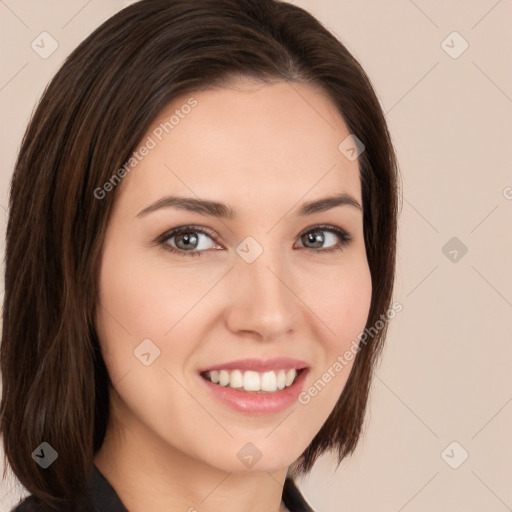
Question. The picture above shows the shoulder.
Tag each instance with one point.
(100, 497)
(293, 498)
(29, 504)
(32, 504)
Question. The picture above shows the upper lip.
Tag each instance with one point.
(259, 365)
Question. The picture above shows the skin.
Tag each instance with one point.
(264, 150)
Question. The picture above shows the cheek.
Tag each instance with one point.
(143, 310)
(134, 305)
(343, 307)
(142, 297)
(344, 304)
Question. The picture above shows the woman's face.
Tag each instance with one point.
(265, 291)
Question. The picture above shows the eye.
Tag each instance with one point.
(314, 236)
(187, 240)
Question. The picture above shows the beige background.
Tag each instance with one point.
(445, 372)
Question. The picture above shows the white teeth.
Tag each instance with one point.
(252, 381)
(237, 379)
(269, 382)
(281, 379)
(223, 378)
(290, 376)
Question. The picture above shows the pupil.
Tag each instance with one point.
(316, 238)
(186, 238)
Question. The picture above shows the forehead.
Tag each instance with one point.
(244, 143)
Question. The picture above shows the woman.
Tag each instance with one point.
(202, 234)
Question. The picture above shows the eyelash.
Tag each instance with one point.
(344, 237)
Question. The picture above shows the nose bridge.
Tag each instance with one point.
(264, 302)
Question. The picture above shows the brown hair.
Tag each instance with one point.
(87, 124)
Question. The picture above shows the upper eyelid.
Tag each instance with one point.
(190, 227)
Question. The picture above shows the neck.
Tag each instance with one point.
(148, 474)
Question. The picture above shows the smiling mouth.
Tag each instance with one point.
(250, 381)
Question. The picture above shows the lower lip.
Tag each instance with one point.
(252, 402)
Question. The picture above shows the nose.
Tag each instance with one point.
(262, 297)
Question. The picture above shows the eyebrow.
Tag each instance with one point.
(222, 210)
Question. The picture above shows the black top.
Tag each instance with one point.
(105, 498)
